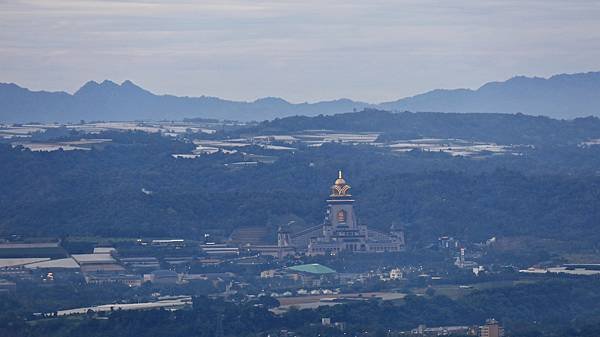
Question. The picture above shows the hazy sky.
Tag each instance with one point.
(302, 50)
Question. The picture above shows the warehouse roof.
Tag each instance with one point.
(21, 261)
(29, 245)
(313, 268)
(93, 258)
(67, 263)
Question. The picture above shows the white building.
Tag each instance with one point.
(396, 274)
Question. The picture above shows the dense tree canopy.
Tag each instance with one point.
(548, 191)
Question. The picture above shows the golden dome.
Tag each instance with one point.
(340, 187)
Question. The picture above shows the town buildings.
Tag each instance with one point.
(491, 328)
(396, 274)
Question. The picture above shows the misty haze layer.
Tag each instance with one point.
(303, 51)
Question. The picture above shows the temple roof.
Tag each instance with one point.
(340, 188)
(313, 268)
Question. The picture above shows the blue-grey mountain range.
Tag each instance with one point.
(562, 96)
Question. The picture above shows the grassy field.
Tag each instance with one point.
(456, 291)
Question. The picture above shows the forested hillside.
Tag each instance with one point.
(500, 128)
(99, 192)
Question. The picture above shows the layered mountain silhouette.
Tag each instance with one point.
(127, 101)
(560, 96)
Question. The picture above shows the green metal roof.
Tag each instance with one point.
(313, 268)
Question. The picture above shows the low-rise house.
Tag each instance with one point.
(105, 250)
(396, 274)
(221, 250)
(168, 243)
(423, 330)
(131, 280)
(162, 277)
(141, 263)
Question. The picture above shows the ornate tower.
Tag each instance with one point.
(340, 205)
(342, 232)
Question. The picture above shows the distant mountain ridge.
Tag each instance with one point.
(560, 96)
(127, 101)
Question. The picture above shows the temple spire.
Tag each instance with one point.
(340, 188)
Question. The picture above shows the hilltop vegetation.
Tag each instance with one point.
(499, 128)
(551, 191)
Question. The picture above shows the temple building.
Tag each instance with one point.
(341, 230)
